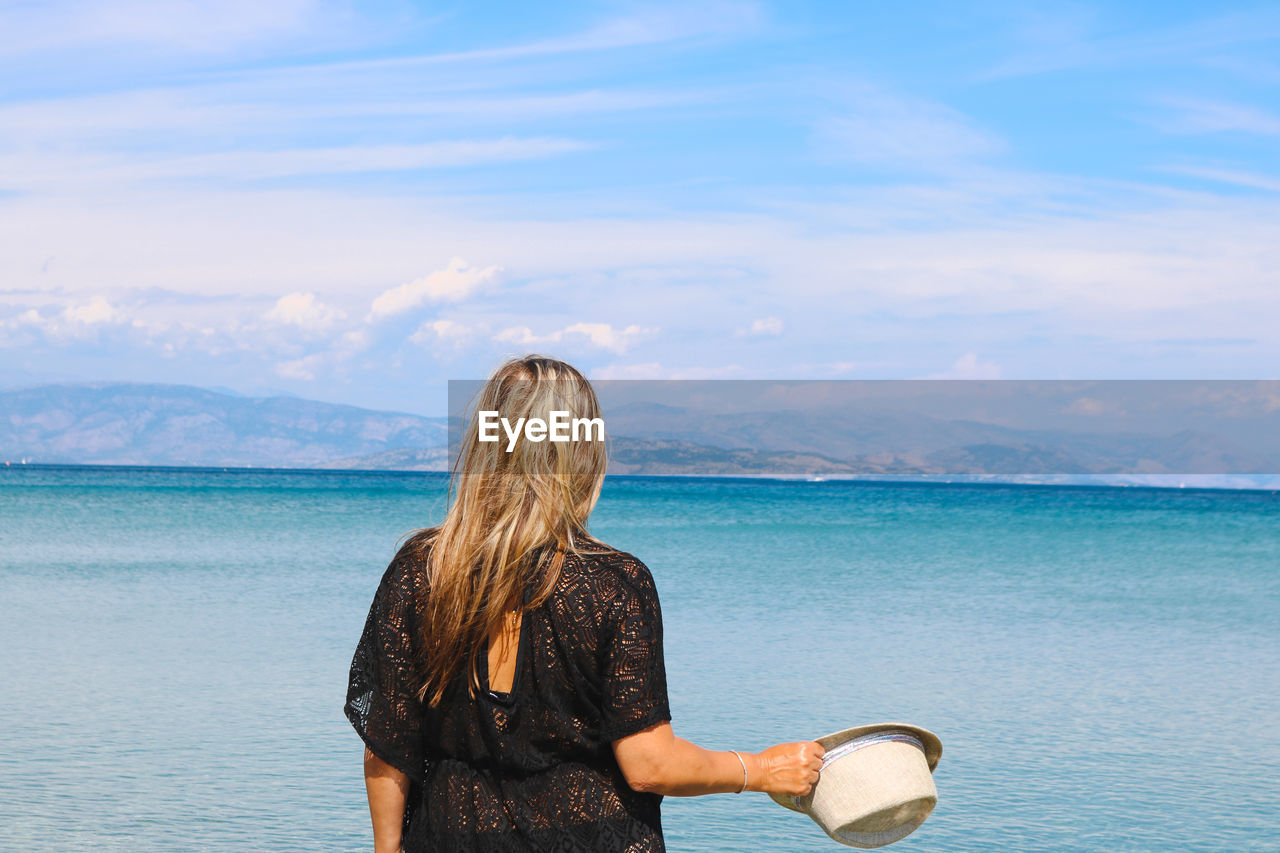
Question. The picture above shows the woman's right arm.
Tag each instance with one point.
(658, 761)
(382, 704)
(388, 790)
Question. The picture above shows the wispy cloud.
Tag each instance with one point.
(32, 27)
(1198, 116)
(646, 27)
(443, 330)
(1250, 68)
(41, 170)
(79, 319)
(327, 362)
(454, 283)
(879, 128)
(763, 327)
(969, 366)
(601, 335)
(300, 369)
(655, 370)
(201, 109)
(646, 183)
(305, 311)
(1095, 48)
(1229, 176)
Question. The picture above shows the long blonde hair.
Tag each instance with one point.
(513, 517)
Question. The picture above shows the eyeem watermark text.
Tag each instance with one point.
(561, 427)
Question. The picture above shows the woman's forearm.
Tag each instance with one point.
(655, 760)
(388, 790)
(691, 771)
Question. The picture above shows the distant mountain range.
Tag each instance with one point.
(877, 441)
(154, 424)
(159, 424)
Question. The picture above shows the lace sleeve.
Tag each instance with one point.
(635, 677)
(382, 702)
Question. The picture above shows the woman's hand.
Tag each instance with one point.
(788, 768)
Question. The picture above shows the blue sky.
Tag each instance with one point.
(357, 202)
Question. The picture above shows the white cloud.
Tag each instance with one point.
(442, 330)
(352, 342)
(524, 336)
(305, 311)
(969, 366)
(1173, 264)
(654, 370)
(1171, 254)
(840, 368)
(764, 327)
(308, 367)
(302, 369)
(880, 268)
(607, 337)
(78, 319)
(454, 283)
(96, 311)
(601, 335)
(647, 370)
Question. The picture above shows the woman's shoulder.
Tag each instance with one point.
(408, 568)
(417, 543)
(620, 567)
(599, 553)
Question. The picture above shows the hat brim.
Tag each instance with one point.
(932, 749)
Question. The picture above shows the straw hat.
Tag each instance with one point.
(875, 786)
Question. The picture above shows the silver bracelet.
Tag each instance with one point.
(744, 772)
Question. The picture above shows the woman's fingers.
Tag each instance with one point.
(811, 753)
(795, 767)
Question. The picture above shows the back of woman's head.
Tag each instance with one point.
(534, 490)
(520, 502)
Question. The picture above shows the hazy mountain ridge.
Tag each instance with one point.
(154, 424)
(161, 424)
(882, 440)
(408, 459)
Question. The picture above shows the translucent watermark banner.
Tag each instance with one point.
(1215, 432)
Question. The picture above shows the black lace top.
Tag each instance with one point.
(532, 769)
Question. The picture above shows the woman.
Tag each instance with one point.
(509, 684)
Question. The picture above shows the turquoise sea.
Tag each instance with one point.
(1102, 664)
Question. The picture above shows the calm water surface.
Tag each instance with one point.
(1102, 665)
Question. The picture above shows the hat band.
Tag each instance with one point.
(858, 743)
(833, 755)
